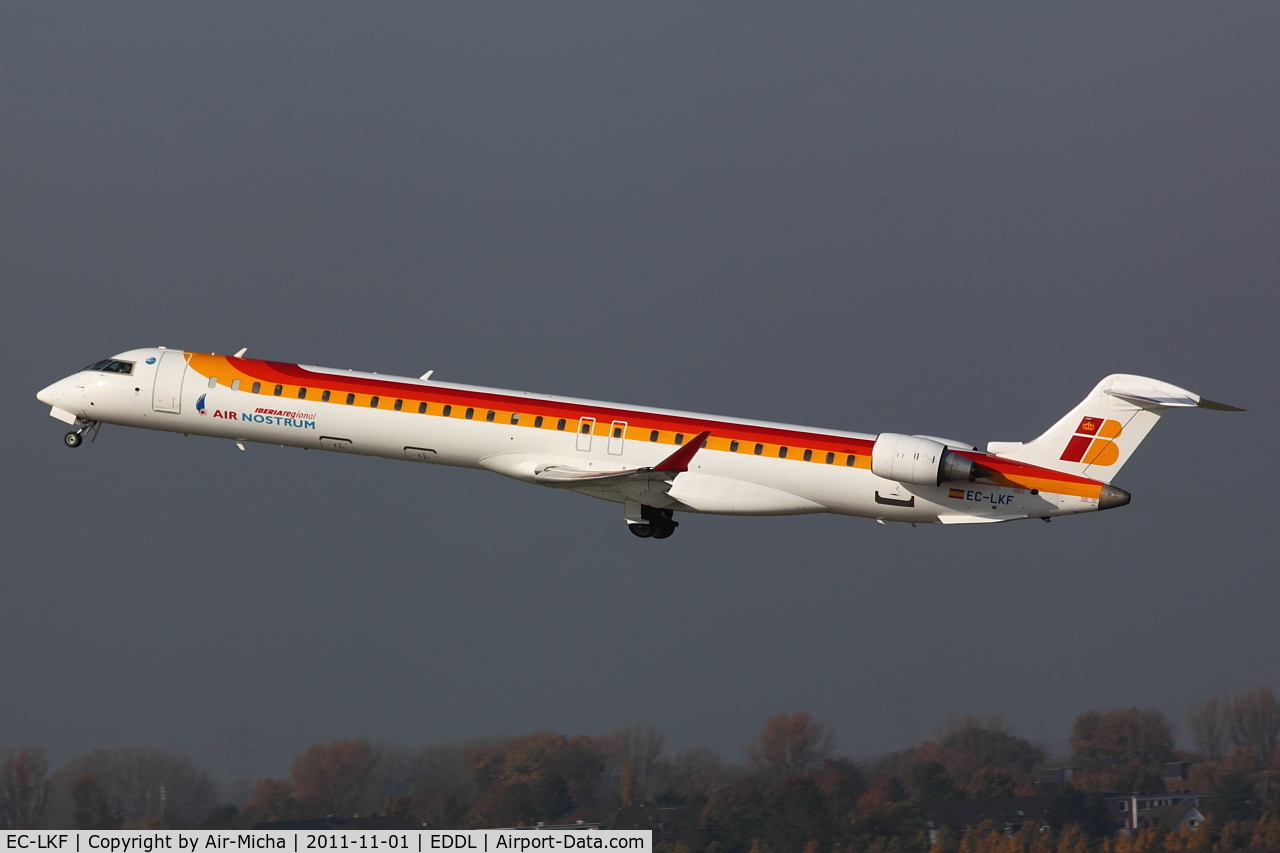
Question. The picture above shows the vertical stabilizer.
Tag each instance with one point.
(1097, 437)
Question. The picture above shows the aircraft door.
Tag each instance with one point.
(586, 426)
(167, 392)
(617, 435)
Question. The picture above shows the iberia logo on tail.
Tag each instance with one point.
(1093, 442)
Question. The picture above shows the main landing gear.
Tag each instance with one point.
(76, 437)
(657, 524)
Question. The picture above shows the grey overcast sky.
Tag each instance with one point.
(927, 217)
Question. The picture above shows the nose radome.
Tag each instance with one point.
(50, 395)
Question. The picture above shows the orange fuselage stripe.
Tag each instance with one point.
(637, 426)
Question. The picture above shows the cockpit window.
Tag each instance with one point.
(110, 365)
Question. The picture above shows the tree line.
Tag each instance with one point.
(794, 794)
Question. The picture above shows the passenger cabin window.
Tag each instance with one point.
(448, 410)
(537, 422)
(560, 424)
(302, 393)
(617, 432)
(586, 428)
(213, 382)
(849, 461)
(351, 399)
(399, 405)
(489, 417)
(679, 438)
(324, 396)
(422, 408)
(733, 447)
(831, 457)
(759, 449)
(257, 386)
(373, 402)
(808, 455)
(653, 435)
(279, 390)
(235, 384)
(515, 419)
(470, 413)
(782, 453)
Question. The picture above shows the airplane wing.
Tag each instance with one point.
(659, 477)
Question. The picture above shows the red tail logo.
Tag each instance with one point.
(1100, 450)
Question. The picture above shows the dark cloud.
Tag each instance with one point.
(931, 218)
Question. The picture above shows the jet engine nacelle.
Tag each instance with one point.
(923, 461)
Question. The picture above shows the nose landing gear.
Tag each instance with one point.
(657, 524)
(76, 437)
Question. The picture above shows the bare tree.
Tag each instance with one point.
(1209, 727)
(397, 767)
(442, 787)
(789, 745)
(960, 724)
(635, 751)
(1253, 723)
(134, 788)
(24, 788)
(695, 773)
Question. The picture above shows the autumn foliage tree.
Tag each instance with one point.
(272, 800)
(970, 742)
(992, 782)
(789, 745)
(334, 779)
(1123, 749)
(539, 777)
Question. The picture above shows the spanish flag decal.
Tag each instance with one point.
(958, 494)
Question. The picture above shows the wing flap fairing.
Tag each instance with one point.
(566, 477)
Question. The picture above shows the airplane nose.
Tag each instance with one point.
(49, 395)
(57, 393)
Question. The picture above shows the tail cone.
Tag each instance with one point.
(1112, 497)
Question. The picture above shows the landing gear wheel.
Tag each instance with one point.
(662, 531)
(73, 439)
(657, 524)
(641, 530)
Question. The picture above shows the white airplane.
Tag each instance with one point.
(654, 462)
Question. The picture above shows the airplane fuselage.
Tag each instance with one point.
(744, 467)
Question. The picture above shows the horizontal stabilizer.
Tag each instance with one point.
(1218, 407)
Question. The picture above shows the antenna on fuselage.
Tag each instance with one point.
(242, 351)
(424, 377)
